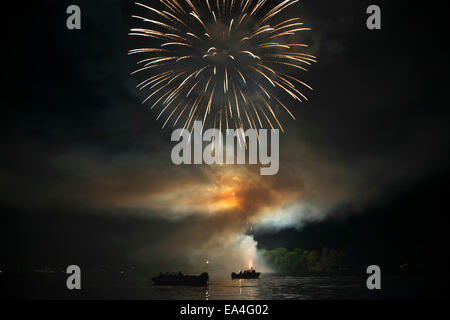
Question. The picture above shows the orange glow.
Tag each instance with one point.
(223, 195)
(225, 199)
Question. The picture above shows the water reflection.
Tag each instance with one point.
(240, 287)
(247, 288)
(207, 292)
(269, 286)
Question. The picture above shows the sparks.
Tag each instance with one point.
(229, 63)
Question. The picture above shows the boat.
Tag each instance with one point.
(45, 270)
(179, 279)
(246, 274)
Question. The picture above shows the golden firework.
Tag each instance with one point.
(229, 63)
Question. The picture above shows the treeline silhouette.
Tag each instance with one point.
(300, 261)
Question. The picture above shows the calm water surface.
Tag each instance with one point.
(268, 287)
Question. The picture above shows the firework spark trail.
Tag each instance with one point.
(226, 61)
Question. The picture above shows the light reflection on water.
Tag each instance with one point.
(269, 286)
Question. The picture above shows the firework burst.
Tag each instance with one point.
(228, 63)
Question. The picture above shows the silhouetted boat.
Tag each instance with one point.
(246, 274)
(179, 279)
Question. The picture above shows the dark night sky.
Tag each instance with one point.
(377, 122)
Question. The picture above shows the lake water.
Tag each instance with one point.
(268, 287)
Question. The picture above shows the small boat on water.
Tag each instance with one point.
(179, 279)
(246, 274)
